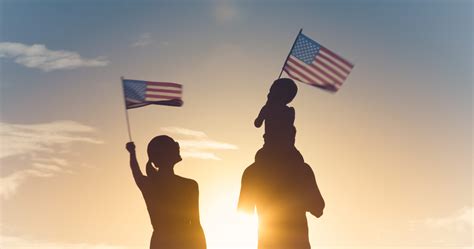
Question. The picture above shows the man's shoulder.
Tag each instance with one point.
(254, 171)
(250, 170)
(306, 172)
(306, 169)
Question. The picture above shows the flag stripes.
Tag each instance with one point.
(154, 94)
(140, 93)
(311, 63)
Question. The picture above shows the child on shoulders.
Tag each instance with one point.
(279, 121)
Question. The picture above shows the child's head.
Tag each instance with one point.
(282, 91)
(163, 151)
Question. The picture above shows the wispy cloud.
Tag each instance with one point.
(453, 229)
(17, 139)
(205, 143)
(38, 56)
(12, 242)
(460, 220)
(185, 132)
(27, 141)
(197, 144)
(10, 183)
(143, 40)
(199, 154)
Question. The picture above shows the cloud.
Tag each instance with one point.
(205, 144)
(454, 229)
(9, 184)
(12, 242)
(461, 220)
(196, 144)
(143, 40)
(38, 56)
(27, 141)
(199, 154)
(183, 131)
(20, 139)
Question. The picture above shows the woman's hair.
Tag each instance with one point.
(150, 169)
(162, 149)
(160, 146)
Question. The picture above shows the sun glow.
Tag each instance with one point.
(228, 229)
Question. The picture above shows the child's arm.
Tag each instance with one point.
(140, 179)
(261, 117)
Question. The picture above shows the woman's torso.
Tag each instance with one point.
(169, 206)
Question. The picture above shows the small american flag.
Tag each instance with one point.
(140, 93)
(311, 63)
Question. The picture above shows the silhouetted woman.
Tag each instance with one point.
(172, 201)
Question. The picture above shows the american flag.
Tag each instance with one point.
(311, 63)
(140, 93)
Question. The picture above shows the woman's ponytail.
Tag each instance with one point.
(150, 169)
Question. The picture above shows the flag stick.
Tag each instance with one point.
(292, 46)
(126, 110)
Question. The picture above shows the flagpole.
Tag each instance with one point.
(292, 46)
(126, 110)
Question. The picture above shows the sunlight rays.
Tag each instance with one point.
(225, 226)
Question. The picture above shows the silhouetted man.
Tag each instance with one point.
(281, 196)
(280, 185)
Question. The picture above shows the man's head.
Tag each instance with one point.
(282, 91)
(163, 151)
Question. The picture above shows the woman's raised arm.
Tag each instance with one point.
(140, 179)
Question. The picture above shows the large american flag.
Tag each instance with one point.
(140, 93)
(311, 63)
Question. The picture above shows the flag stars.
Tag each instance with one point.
(135, 90)
(326, 70)
(305, 49)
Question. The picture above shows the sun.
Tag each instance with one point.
(225, 228)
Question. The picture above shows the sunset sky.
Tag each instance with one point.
(391, 151)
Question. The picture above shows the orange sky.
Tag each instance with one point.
(392, 150)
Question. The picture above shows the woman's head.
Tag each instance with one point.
(163, 151)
